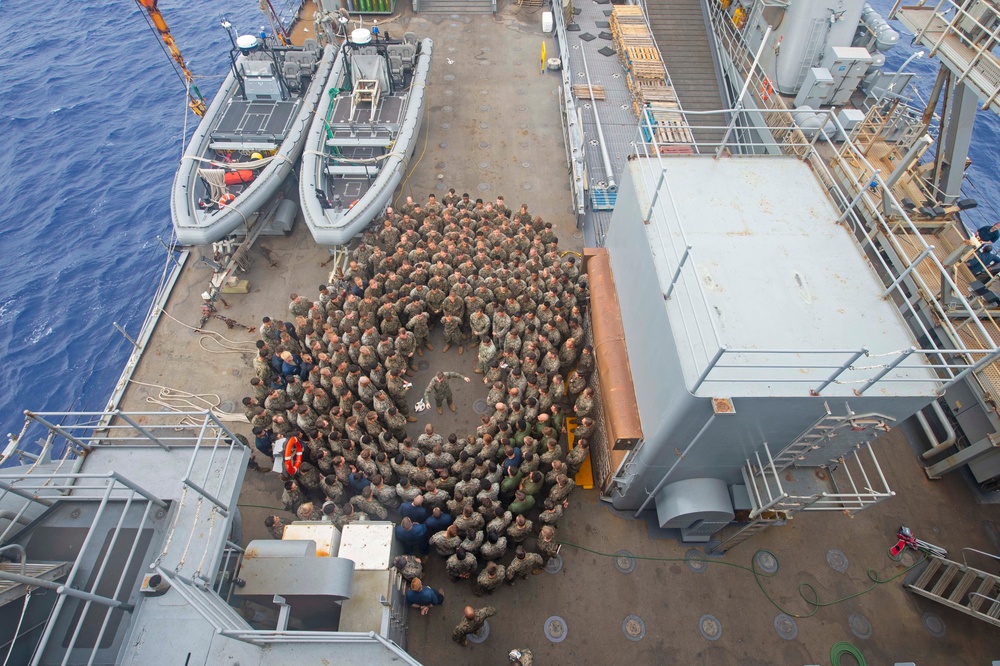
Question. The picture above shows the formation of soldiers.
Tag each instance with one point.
(335, 377)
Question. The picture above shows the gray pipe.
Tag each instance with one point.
(14, 518)
(612, 185)
(663, 481)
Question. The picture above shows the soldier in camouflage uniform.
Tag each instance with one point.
(487, 353)
(452, 333)
(552, 513)
(409, 567)
(523, 564)
(489, 579)
(519, 530)
(472, 622)
(275, 526)
(576, 457)
(292, 496)
(366, 503)
(547, 545)
(461, 564)
(446, 541)
(418, 324)
(441, 390)
(494, 547)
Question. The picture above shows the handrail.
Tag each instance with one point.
(979, 552)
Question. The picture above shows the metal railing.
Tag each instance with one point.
(966, 40)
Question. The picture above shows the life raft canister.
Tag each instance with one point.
(241, 177)
(226, 199)
(293, 455)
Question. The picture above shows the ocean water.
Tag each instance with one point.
(94, 115)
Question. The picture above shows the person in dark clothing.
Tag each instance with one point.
(357, 480)
(264, 441)
(414, 510)
(422, 597)
(412, 537)
(438, 521)
(989, 234)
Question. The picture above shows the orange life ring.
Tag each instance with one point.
(226, 199)
(766, 89)
(293, 455)
(352, 204)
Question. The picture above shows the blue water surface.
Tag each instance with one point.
(92, 117)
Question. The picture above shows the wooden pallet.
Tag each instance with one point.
(645, 69)
(582, 91)
(667, 124)
(642, 53)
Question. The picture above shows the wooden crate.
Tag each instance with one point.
(582, 91)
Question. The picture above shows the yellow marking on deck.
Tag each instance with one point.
(585, 477)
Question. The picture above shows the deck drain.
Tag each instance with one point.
(449, 92)
(526, 165)
(696, 561)
(484, 125)
(449, 77)
(484, 107)
(933, 624)
(624, 562)
(837, 560)
(766, 561)
(447, 109)
(479, 406)
(710, 627)
(445, 126)
(443, 144)
(423, 365)
(634, 628)
(860, 626)
(554, 565)
(484, 92)
(484, 165)
(480, 635)
(484, 144)
(229, 407)
(786, 627)
(555, 629)
(526, 186)
(483, 187)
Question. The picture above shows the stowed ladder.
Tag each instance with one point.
(835, 442)
(974, 592)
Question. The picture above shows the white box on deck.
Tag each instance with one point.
(848, 65)
(368, 545)
(547, 22)
(326, 536)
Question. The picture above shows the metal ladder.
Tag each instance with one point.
(959, 586)
(755, 526)
(809, 440)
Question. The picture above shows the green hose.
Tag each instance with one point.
(812, 599)
(842, 648)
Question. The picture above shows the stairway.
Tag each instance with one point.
(453, 6)
(961, 587)
(680, 30)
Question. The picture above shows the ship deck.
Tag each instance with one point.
(493, 128)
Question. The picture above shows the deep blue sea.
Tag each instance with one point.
(93, 116)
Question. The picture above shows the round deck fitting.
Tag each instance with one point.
(484, 107)
(766, 562)
(522, 109)
(485, 49)
(555, 629)
(449, 77)
(484, 125)
(480, 635)
(624, 562)
(445, 126)
(526, 186)
(484, 92)
(484, 165)
(695, 559)
(423, 365)
(479, 406)
(484, 144)
(447, 109)
(482, 187)
(634, 628)
(837, 560)
(860, 626)
(786, 627)
(710, 627)
(526, 165)
(554, 565)
(933, 624)
(484, 63)
(523, 144)
(227, 407)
